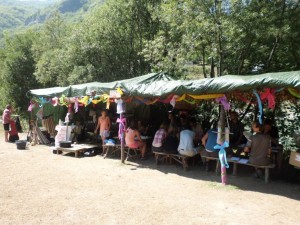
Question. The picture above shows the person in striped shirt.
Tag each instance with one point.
(159, 138)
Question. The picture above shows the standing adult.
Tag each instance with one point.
(104, 125)
(6, 121)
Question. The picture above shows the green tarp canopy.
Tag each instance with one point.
(159, 84)
(101, 88)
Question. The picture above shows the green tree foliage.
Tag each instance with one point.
(238, 35)
(119, 39)
(17, 68)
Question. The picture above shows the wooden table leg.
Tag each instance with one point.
(76, 154)
(234, 172)
(217, 166)
(266, 175)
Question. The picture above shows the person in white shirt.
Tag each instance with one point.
(186, 143)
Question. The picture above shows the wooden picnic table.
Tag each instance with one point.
(77, 148)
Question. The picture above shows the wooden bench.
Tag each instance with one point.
(109, 150)
(181, 159)
(131, 153)
(77, 149)
(236, 163)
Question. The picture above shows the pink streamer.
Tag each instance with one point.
(76, 105)
(31, 106)
(54, 101)
(122, 123)
(269, 94)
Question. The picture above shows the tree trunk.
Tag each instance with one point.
(203, 61)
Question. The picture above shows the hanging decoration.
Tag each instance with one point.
(32, 105)
(174, 100)
(294, 92)
(269, 94)
(259, 106)
(223, 160)
(54, 101)
(43, 101)
(224, 102)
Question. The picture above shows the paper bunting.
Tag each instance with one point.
(294, 92)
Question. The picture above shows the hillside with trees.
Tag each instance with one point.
(119, 39)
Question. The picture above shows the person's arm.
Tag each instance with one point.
(247, 148)
(204, 139)
(137, 133)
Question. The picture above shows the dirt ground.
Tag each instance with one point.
(38, 187)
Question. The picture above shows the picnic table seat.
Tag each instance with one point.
(236, 163)
(76, 148)
(181, 159)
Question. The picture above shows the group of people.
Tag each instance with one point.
(258, 145)
(189, 140)
(181, 137)
(184, 136)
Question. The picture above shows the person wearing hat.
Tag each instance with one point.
(6, 121)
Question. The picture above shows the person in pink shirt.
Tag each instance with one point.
(104, 125)
(6, 120)
(133, 138)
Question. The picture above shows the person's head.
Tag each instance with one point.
(257, 127)
(193, 122)
(133, 125)
(186, 127)
(104, 112)
(163, 126)
(139, 123)
(171, 116)
(233, 116)
(267, 125)
(8, 107)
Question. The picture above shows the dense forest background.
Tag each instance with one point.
(51, 43)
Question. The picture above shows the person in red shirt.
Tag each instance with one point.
(6, 121)
(13, 133)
